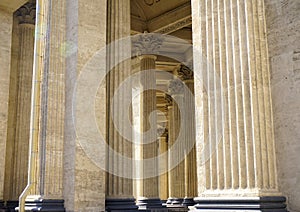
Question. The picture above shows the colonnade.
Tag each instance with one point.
(227, 119)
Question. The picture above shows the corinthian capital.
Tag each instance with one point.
(184, 73)
(176, 87)
(146, 44)
(26, 13)
(162, 131)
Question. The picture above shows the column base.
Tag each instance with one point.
(188, 201)
(36, 203)
(2, 208)
(174, 201)
(164, 202)
(257, 204)
(11, 205)
(175, 205)
(151, 205)
(120, 204)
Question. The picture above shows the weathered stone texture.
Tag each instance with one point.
(90, 179)
(6, 20)
(283, 28)
(52, 166)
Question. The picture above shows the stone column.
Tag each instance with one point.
(119, 190)
(176, 165)
(170, 122)
(150, 195)
(190, 175)
(17, 167)
(163, 178)
(234, 127)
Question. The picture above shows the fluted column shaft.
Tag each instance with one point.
(163, 178)
(235, 141)
(190, 174)
(150, 143)
(25, 67)
(51, 140)
(176, 175)
(171, 135)
(118, 28)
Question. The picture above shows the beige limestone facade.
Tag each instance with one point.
(149, 105)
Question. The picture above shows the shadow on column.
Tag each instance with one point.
(176, 205)
(259, 204)
(34, 204)
(2, 206)
(151, 205)
(188, 202)
(118, 205)
(11, 205)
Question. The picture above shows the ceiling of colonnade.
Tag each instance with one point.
(12, 5)
(161, 16)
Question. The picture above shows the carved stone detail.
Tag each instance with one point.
(176, 87)
(175, 26)
(26, 13)
(146, 44)
(151, 2)
(162, 131)
(184, 73)
(296, 55)
(169, 99)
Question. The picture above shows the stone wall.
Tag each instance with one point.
(283, 28)
(12, 109)
(6, 19)
(90, 179)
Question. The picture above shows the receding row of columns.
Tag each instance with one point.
(181, 124)
(234, 131)
(235, 144)
(177, 183)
